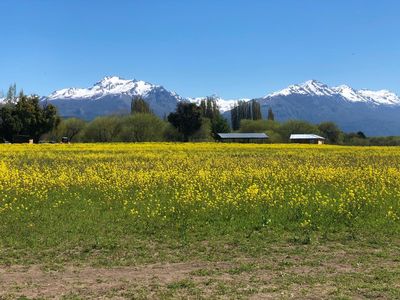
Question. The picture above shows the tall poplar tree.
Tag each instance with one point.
(210, 110)
(271, 116)
(11, 97)
(139, 105)
(250, 110)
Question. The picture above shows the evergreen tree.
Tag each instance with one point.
(220, 125)
(361, 135)
(11, 97)
(271, 116)
(10, 124)
(187, 119)
(27, 117)
(139, 105)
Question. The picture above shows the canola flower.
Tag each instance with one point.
(159, 184)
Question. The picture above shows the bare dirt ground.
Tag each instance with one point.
(304, 272)
(193, 280)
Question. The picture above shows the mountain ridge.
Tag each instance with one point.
(316, 88)
(374, 112)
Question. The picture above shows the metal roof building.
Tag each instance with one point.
(307, 139)
(242, 137)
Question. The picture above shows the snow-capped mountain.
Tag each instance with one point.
(112, 95)
(110, 85)
(316, 88)
(373, 112)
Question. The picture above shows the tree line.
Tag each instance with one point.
(189, 122)
(25, 116)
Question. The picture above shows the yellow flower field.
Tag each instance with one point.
(157, 181)
(55, 193)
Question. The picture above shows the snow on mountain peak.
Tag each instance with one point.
(109, 85)
(316, 88)
(381, 96)
(313, 83)
(114, 85)
(112, 81)
(310, 87)
(349, 93)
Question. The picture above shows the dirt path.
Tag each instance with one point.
(36, 282)
(318, 274)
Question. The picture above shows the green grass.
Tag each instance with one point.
(324, 231)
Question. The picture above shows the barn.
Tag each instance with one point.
(258, 138)
(307, 139)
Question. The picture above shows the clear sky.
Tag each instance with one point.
(232, 48)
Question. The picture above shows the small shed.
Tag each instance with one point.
(307, 139)
(259, 138)
(21, 139)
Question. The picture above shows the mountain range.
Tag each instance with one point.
(376, 113)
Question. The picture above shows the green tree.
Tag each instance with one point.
(210, 110)
(139, 105)
(361, 135)
(102, 129)
(271, 115)
(220, 125)
(252, 126)
(271, 128)
(250, 110)
(70, 128)
(356, 139)
(204, 133)
(27, 117)
(171, 134)
(331, 132)
(186, 119)
(10, 124)
(11, 97)
(141, 127)
(255, 110)
(297, 126)
(36, 118)
(258, 125)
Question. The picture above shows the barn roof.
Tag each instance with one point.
(306, 137)
(242, 135)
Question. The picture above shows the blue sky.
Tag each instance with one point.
(233, 48)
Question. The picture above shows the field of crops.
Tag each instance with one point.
(120, 204)
(197, 186)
